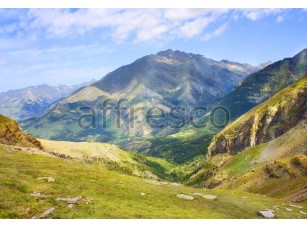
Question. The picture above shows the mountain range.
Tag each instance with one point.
(163, 80)
(33, 101)
(255, 165)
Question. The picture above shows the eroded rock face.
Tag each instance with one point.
(266, 122)
(10, 134)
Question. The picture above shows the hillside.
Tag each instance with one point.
(264, 151)
(96, 192)
(10, 134)
(263, 84)
(265, 122)
(277, 168)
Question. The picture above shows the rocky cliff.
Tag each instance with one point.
(265, 122)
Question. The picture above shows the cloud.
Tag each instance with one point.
(256, 14)
(118, 24)
(121, 25)
(195, 27)
(219, 31)
(279, 19)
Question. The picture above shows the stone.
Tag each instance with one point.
(48, 212)
(70, 200)
(49, 179)
(143, 194)
(288, 209)
(182, 196)
(266, 214)
(269, 210)
(38, 194)
(176, 184)
(292, 205)
(209, 197)
(302, 212)
(156, 182)
(71, 205)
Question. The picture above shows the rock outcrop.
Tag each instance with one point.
(265, 122)
(10, 134)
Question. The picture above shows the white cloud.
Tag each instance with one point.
(279, 19)
(219, 31)
(121, 25)
(256, 14)
(118, 24)
(195, 27)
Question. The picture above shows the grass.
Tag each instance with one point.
(240, 163)
(113, 195)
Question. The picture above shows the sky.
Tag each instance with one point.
(72, 46)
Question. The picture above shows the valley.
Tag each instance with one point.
(254, 165)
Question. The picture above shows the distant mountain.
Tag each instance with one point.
(263, 84)
(33, 101)
(10, 134)
(164, 80)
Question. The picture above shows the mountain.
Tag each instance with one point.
(33, 101)
(265, 122)
(163, 80)
(264, 151)
(10, 134)
(263, 84)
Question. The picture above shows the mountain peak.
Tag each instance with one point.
(264, 65)
(179, 55)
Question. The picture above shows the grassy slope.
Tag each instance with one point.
(119, 160)
(113, 195)
(112, 157)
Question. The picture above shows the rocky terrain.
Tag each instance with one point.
(266, 122)
(10, 134)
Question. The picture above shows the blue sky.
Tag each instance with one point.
(70, 46)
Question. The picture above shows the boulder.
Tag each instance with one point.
(48, 212)
(49, 179)
(266, 214)
(209, 197)
(38, 194)
(70, 200)
(186, 197)
(176, 184)
(288, 209)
